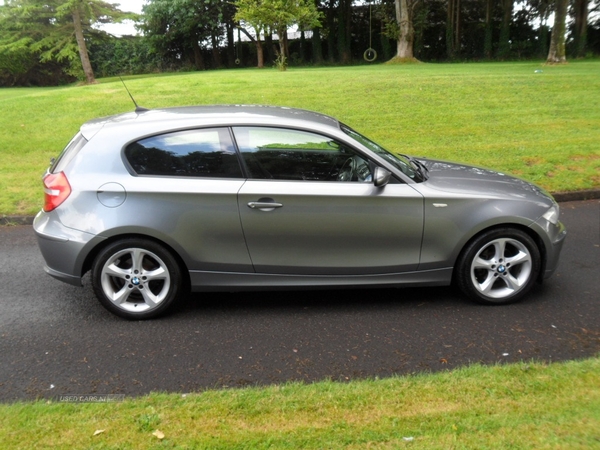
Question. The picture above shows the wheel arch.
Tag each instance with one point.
(528, 230)
(93, 253)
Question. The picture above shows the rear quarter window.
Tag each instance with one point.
(193, 153)
(69, 152)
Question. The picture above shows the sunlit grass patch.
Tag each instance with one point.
(524, 405)
(500, 115)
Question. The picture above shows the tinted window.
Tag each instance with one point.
(401, 162)
(283, 154)
(193, 153)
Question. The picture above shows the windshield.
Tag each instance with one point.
(401, 162)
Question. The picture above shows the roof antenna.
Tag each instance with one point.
(138, 109)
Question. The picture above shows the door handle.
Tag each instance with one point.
(264, 206)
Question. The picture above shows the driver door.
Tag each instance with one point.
(311, 208)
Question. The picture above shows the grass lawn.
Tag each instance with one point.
(524, 406)
(538, 122)
(543, 126)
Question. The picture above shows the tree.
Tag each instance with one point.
(542, 10)
(504, 44)
(55, 29)
(580, 8)
(317, 49)
(249, 12)
(453, 29)
(278, 16)
(399, 26)
(179, 28)
(489, 29)
(557, 55)
(344, 28)
(406, 35)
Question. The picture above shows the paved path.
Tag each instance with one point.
(56, 339)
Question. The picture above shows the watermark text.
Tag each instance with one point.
(91, 398)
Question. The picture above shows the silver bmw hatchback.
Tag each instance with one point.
(235, 198)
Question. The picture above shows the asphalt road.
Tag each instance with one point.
(56, 339)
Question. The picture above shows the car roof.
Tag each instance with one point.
(160, 120)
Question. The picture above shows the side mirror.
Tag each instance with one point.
(381, 176)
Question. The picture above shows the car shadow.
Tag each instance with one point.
(338, 300)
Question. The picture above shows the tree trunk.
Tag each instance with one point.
(317, 49)
(331, 47)
(282, 50)
(260, 55)
(216, 54)
(83, 53)
(407, 32)
(489, 29)
(450, 49)
(457, 46)
(557, 55)
(198, 57)
(269, 46)
(543, 30)
(504, 44)
(344, 31)
(230, 45)
(580, 35)
(286, 47)
(302, 46)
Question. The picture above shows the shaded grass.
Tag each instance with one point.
(544, 127)
(509, 406)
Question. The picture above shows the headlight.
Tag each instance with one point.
(552, 214)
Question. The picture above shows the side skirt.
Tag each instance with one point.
(233, 281)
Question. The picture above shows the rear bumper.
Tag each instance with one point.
(64, 249)
(66, 278)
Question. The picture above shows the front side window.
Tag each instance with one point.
(193, 153)
(401, 162)
(284, 154)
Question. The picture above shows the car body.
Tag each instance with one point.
(242, 198)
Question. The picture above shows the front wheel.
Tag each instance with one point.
(136, 278)
(499, 267)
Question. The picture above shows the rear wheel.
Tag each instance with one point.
(136, 278)
(499, 267)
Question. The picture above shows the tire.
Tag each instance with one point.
(499, 266)
(136, 279)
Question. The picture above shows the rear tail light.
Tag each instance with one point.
(56, 190)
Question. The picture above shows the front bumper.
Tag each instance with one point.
(553, 237)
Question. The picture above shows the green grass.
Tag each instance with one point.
(525, 406)
(544, 126)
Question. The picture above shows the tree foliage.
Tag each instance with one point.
(46, 41)
(178, 29)
(55, 30)
(278, 16)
